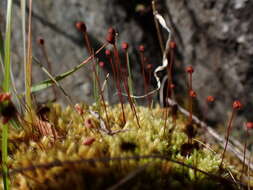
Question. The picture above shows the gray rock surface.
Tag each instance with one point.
(216, 38)
(55, 22)
(213, 36)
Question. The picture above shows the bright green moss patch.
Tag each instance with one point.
(61, 144)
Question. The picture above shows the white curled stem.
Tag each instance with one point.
(164, 65)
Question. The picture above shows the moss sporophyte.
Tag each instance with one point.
(98, 146)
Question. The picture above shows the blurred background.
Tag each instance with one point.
(215, 37)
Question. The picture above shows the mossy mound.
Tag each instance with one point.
(65, 149)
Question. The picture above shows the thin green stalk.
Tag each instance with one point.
(6, 88)
(49, 82)
(95, 69)
(99, 88)
(130, 80)
(5, 156)
(23, 18)
(7, 50)
(99, 74)
(95, 86)
(1, 51)
(55, 82)
(28, 65)
(14, 96)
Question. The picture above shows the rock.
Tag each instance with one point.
(216, 38)
(55, 22)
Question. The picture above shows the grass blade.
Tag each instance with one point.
(130, 79)
(55, 82)
(5, 156)
(23, 17)
(47, 83)
(15, 124)
(6, 88)
(28, 64)
(7, 50)
(1, 51)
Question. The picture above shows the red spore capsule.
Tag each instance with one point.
(101, 64)
(108, 52)
(110, 37)
(79, 109)
(88, 141)
(5, 97)
(149, 66)
(172, 86)
(88, 123)
(210, 99)
(192, 93)
(189, 69)
(124, 46)
(41, 41)
(172, 45)
(141, 48)
(237, 105)
(80, 26)
(249, 125)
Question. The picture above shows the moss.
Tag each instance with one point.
(70, 137)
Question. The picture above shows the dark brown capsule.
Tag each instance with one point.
(127, 146)
(8, 110)
(42, 112)
(187, 148)
(190, 131)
